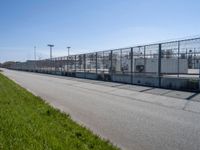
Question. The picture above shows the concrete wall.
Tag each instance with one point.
(123, 78)
(91, 75)
(180, 83)
(80, 74)
(147, 81)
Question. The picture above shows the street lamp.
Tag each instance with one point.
(50, 45)
(68, 49)
(35, 58)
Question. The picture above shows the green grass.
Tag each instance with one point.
(28, 123)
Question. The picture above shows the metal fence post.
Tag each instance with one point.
(96, 63)
(51, 65)
(111, 65)
(199, 76)
(131, 65)
(55, 65)
(75, 65)
(145, 59)
(159, 64)
(67, 65)
(34, 66)
(84, 65)
(121, 61)
(178, 58)
(64, 63)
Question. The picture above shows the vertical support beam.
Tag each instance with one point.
(96, 62)
(84, 65)
(40, 66)
(50, 52)
(60, 66)
(159, 64)
(67, 65)
(111, 64)
(63, 63)
(199, 77)
(121, 61)
(145, 59)
(51, 62)
(75, 64)
(51, 59)
(35, 66)
(55, 65)
(103, 61)
(195, 57)
(34, 58)
(131, 55)
(50, 65)
(178, 59)
(65, 60)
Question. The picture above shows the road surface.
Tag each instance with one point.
(130, 119)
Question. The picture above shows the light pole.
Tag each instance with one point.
(68, 59)
(51, 45)
(35, 58)
(68, 49)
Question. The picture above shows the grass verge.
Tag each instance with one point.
(28, 123)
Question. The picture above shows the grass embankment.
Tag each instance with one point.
(27, 122)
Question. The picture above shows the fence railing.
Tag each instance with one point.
(174, 65)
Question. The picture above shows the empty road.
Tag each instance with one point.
(130, 119)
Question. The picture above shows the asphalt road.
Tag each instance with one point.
(130, 119)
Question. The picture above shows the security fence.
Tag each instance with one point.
(173, 65)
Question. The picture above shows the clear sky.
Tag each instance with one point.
(91, 25)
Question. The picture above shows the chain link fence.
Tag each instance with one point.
(172, 65)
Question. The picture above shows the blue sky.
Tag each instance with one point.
(91, 25)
